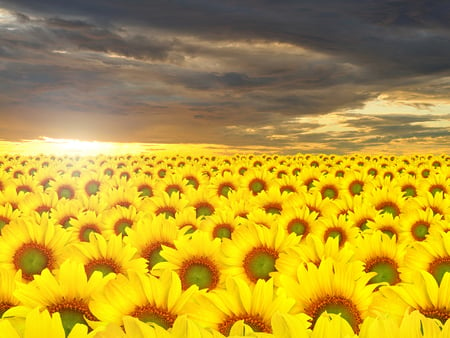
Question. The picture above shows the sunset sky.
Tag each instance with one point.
(286, 76)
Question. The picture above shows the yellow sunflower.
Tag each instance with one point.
(168, 205)
(385, 223)
(149, 235)
(5, 180)
(253, 305)
(336, 227)
(64, 186)
(204, 200)
(9, 281)
(256, 180)
(68, 291)
(356, 183)
(173, 184)
(417, 225)
(25, 184)
(271, 201)
(298, 220)
(253, 250)
(39, 203)
(65, 212)
(314, 201)
(224, 183)
(107, 256)
(119, 219)
(196, 259)
(436, 183)
(12, 197)
(85, 223)
(289, 183)
(381, 254)
(152, 300)
(144, 184)
(194, 173)
(240, 203)
(221, 224)
(32, 245)
(437, 202)
(387, 201)
(328, 186)
(8, 215)
(332, 287)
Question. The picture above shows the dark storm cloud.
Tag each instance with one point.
(250, 64)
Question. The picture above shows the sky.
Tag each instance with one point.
(273, 76)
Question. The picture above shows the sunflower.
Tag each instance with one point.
(204, 200)
(173, 184)
(311, 250)
(40, 324)
(8, 215)
(65, 212)
(165, 204)
(255, 181)
(85, 223)
(152, 300)
(240, 203)
(309, 176)
(417, 225)
(32, 245)
(39, 203)
(387, 201)
(385, 223)
(423, 294)
(314, 201)
(12, 197)
(436, 183)
(332, 287)
(432, 255)
(196, 259)
(335, 323)
(144, 184)
(107, 256)
(122, 196)
(25, 184)
(9, 281)
(409, 185)
(224, 183)
(93, 182)
(356, 182)
(260, 217)
(329, 187)
(298, 220)
(194, 173)
(240, 302)
(253, 250)
(437, 202)
(221, 224)
(68, 292)
(271, 201)
(119, 219)
(149, 234)
(291, 184)
(65, 186)
(335, 226)
(381, 254)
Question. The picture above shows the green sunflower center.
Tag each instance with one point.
(337, 305)
(257, 185)
(104, 265)
(356, 187)
(66, 191)
(255, 322)
(298, 226)
(222, 231)
(225, 189)
(86, 230)
(72, 312)
(335, 232)
(92, 187)
(145, 191)
(166, 211)
(259, 263)
(193, 181)
(329, 191)
(200, 271)
(122, 225)
(273, 208)
(32, 258)
(386, 270)
(152, 314)
(439, 267)
(390, 208)
(436, 189)
(153, 254)
(173, 189)
(420, 230)
(409, 191)
(204, 209)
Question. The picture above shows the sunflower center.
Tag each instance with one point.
(193, 181)
(337, 305)
(122, 225)
(92, 187)
(32, 258)
(335, 232)
(273, 208)
(204, 209)
(439, 267)
(222, 231)
(224, 189)
(287, 188)
(152, 314)
(298, 226)
(167, 211)
(72, 312)
(200, 271)
(329, 191)
(356, 187)
(4, 306)
(153, 253)
(24, 188)
(257, 185)
(42, 208)
(388, 230)
(441, 314)
(86, 230)
(259, 263)
(420, 230)
(409, 191)
(3, 222)
(173, 189)
(104, 265)
(390, 208)
(145, 191)
(66, 191)
(385, 268)
(434, 189)
(65, 222)
(255, 322)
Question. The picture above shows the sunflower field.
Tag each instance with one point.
(170, 245)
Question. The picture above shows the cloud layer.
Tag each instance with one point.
(326, 76)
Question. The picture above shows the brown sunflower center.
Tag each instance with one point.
(66, 191)
(3, 221)
(32, 258)
(386, 269)
(145, 190)
(409, 190)
(329, 191)
(204, 209)
(201, 271)
(388, 207)
(42, 208)
(92, 187)
(356, 187)
(439, 267)
(152, 314)
(72, 311)
(255, 322)
(337, 305)
(334, 232)
(173, 189)
(4, 306)
(86, 230)
(192, 180)
(436, 188)
(257, 185)
(441, 314)
(121, 226)
(104, 265)
(259, 263)
(273, 208)
(419, 230)
(224, 189)
(152, 253)
(166, 211)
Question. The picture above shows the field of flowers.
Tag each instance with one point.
(159, 245)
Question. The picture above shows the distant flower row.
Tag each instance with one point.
(161, 245)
